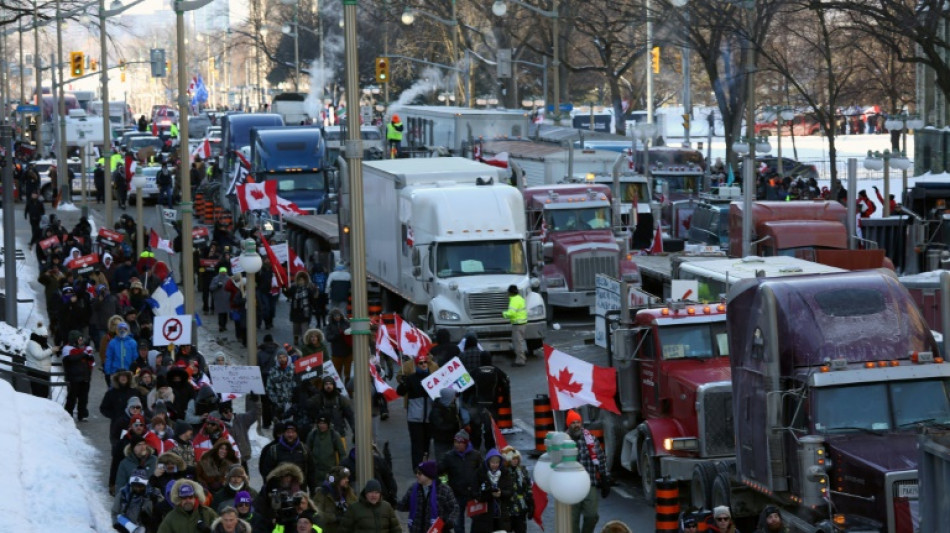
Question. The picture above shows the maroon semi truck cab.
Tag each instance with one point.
(572, 240)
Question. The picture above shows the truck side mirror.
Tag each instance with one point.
(548, 252)
(416, 259)
(417, 272)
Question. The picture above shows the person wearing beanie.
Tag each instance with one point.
(163, 393)
(522, 499)
(333, 497)
(133, 407)
(138, 456)
(244, 503)
(184, 446)
(427, 500)
(136, 431)
(39, 360)
(189, 514)
(330, 403)
(237, 482)
(461, 465)
(115, 402)
(371, 513)
(591, 456)
(300, 297)
(771, 521)
(445, 420)
(138, 502)
(326, 448)
(723, 517)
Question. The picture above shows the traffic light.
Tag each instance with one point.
(93, 64)
(77, 64)
(122, 70)
(686, 121)
(655, 59)
(159, 65)
(382, 70)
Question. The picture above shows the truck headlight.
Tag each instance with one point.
(554, 283)
(631, 277)
(448, 315)
(536, 311)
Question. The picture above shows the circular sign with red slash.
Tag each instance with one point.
(172, 330)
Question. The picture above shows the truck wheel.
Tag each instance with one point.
(727, 466)
(721, 491)
(646, 464)
(700, 485)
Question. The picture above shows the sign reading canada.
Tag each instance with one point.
(452, 374)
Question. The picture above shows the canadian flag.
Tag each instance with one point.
(257, 196)
(657, 246)
(279, 277)
(286, 207)
(500, 440)
(381, 386)
(244, 162)
(412, 341)
(157, 243)
(499, 160)
(385, 344)
(573, 383)
(296, 263)
(477, 152)
(203, 150)
(409, 238)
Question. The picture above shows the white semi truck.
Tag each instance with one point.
(445, 238)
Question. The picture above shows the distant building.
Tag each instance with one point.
(932, 146)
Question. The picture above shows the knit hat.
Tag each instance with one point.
(237, 470)
(462, 435)
(573, 416)
(509, 453)
(306, 515)
(428, 469)
(722, 510)
(136, 418)
(139, 476)
(41, 330)
(181, 427)
(133, 401)
(288, 424)
(372, 486)
(186, 491)
(242, 497)
(446, 395)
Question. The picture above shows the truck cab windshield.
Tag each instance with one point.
(694, 341)
(577, 219)
(299, 181)
(883, 406)
(474, 258)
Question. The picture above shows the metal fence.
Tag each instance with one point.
(14, 370)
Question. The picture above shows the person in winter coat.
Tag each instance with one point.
(330, 403)
(314, 342)
(280, 484)
(419, 406)
(229, 521)
(221, 300)
(382, 471)
(371, 513)
(107, 337)
(244, 504)
(326, 450)
(444, 350)
(522, 499)
(162, 392)
(210, 432)
(495, 488)
(461, 465)
(138, 457)
(74, 315)
(333, 497)
(237, 303)
(300, 297)
(170, 467)
(428, 500)
(189, 514)
(34, 212)
(184, 434)
(340, 348)
(445, 421)
(238, 425)
(115, 402)
(104, 306)
(280, 384)
(120, 424)
(39, 360)
(237, 481)
(137, 502)
(121, 350)
(338, 288)
(213, 467)
(288, 448)
(77, 367)
(771, 521)
(136, 431)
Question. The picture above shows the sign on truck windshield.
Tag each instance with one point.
(694, 341)
(474, 258)
(302, 181)
(577, 219)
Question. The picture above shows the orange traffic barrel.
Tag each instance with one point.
(503, 410)
(199, 202)
(667, 506)
(543, 421)
(218, 213)
(208, 214)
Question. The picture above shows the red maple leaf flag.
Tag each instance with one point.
(500, 440)
(381, 386)
(257, 196)
(296, 263)
(573, 382)
(385, 344)
(279, 275)
(412, 341)
(286, 208)
(540, 503)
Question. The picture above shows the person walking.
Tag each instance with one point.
(77, 367)
(394, 131)
(340, 349)
(99, 182)
(461, 465)
(338, 288)
(221, 299)
(418, 408)
(300, 297)
(34, 212)
(371, 513)
(522, 499)
(165, 184)
(591, 457)
(517, 313)
(428, 500)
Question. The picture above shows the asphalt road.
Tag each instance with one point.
(574, 336)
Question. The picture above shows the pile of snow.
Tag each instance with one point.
(49, 469)
(12, 340)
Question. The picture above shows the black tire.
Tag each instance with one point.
(727, 467)
(700, 485)
(534, 345)
(721, 493)
(648, 467)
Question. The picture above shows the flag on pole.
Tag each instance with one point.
(279, 276)
(411, 340)
(167, 299)
(384, 343)
(203, 150)
(573, 382)
(257, 196)
(287, 208)
(157, 243)
(295, 263)
(381, 386)
(241, 176)
(500, 440)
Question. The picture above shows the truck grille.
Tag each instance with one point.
(716, 422)
(487, 305)
(585, 268)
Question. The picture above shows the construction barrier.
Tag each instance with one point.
(503, 410)
(667, 506)
(199, 202)
(207, 216)
(543, 421)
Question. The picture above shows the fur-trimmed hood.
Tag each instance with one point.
(284, 469)
(172, 458)
(115, 379)
(241, 524)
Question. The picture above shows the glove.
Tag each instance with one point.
(874, 187)
(202, 527)
(604, 490)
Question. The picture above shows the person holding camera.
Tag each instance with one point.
(333, 498)
(189, 514)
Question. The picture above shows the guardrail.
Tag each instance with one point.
(13, 369)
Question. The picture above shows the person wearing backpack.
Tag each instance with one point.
(338, 288)
(445, 420)
(326, 450)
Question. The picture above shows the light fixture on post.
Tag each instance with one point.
(903, 121)
(558, 473)
(885, 161)
(740, 146)
(251, 262)
(296, 36)
(138, 183)
(762, 145)
(500, 7)
(784, 115)
(409, 16)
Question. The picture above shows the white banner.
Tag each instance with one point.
(171, 329)
(236, 379)
(330, 370)
(452, 374)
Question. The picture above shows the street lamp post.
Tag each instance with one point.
(62, 171)
(409, 16)
(903, 122)
(558, 473)
(187, 218)
(784, 115)
(885, 161)
(296, 36)
(251, 262)
(500, 7)
(747, 148)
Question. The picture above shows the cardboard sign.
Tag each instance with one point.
(452, 374)
(309, 367)
(84, 263)
(475, 508)
(207, 263)
(109, 238)
(46, 244)
(236, 267)
(330, 370)
(199, 235)
(171, 329)
(169, 215)
(237, 379)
